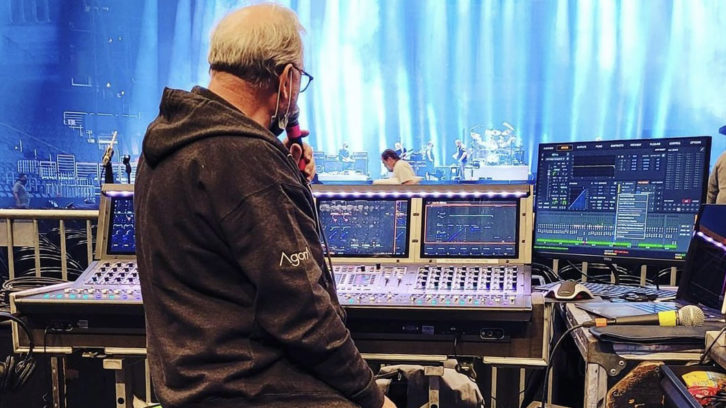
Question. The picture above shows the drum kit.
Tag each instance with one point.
(497, 148)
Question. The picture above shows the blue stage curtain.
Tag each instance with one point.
(430, 70)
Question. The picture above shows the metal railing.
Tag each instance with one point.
(22, 229)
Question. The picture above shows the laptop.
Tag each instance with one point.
(703, 280)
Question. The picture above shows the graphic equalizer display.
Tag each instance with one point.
(365, 228)
(470, 228)
(121, 239)
(620, 199)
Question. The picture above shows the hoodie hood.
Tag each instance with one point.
(186, 117)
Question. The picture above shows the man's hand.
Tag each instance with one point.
(306, 152)
(387, 403)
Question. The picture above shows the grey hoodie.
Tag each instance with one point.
(240, 308)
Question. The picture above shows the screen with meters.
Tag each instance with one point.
(365, 227)
(121, 240)
(464, 228)
(619, 200)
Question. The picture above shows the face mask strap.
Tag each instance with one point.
(281, 122)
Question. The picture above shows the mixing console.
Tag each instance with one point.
(476, 304)
(411, 286)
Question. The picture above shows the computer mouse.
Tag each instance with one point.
(569, 290)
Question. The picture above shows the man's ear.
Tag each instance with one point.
(286, 82)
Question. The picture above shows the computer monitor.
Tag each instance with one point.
(620, 201)
(121, 240)
(470, 228)
(359, 228)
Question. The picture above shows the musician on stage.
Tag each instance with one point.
(344, 157)
(461, 156)
(430, 160)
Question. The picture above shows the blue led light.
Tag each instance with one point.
(712, 241)
(119, 193)
(434, 194)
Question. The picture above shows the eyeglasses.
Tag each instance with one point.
(305, 79)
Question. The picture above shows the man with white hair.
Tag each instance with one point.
(241, 309)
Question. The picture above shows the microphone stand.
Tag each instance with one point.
(127, 164)
(107, 173)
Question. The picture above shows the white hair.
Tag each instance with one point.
(254, 42)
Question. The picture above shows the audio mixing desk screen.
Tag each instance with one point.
(121, 240)
(469, 229)
(365, 227)
(620, 199)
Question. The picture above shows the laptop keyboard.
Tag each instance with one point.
(652, 307)
(609, 290)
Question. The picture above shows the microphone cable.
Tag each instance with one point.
(549, 362)
(702, 360)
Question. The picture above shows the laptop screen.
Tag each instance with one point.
(704, 276)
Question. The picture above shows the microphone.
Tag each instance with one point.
(127, 164)
(686, 316)
(108, 154)
(295, 135)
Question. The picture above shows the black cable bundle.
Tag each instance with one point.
(23, 283)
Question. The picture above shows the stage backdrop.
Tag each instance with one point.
(385, 71)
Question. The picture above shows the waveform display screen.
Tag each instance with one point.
(365, 227)
(620, 200)
(121, 239)
(470, 228)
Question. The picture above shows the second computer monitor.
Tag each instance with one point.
(624, 200)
